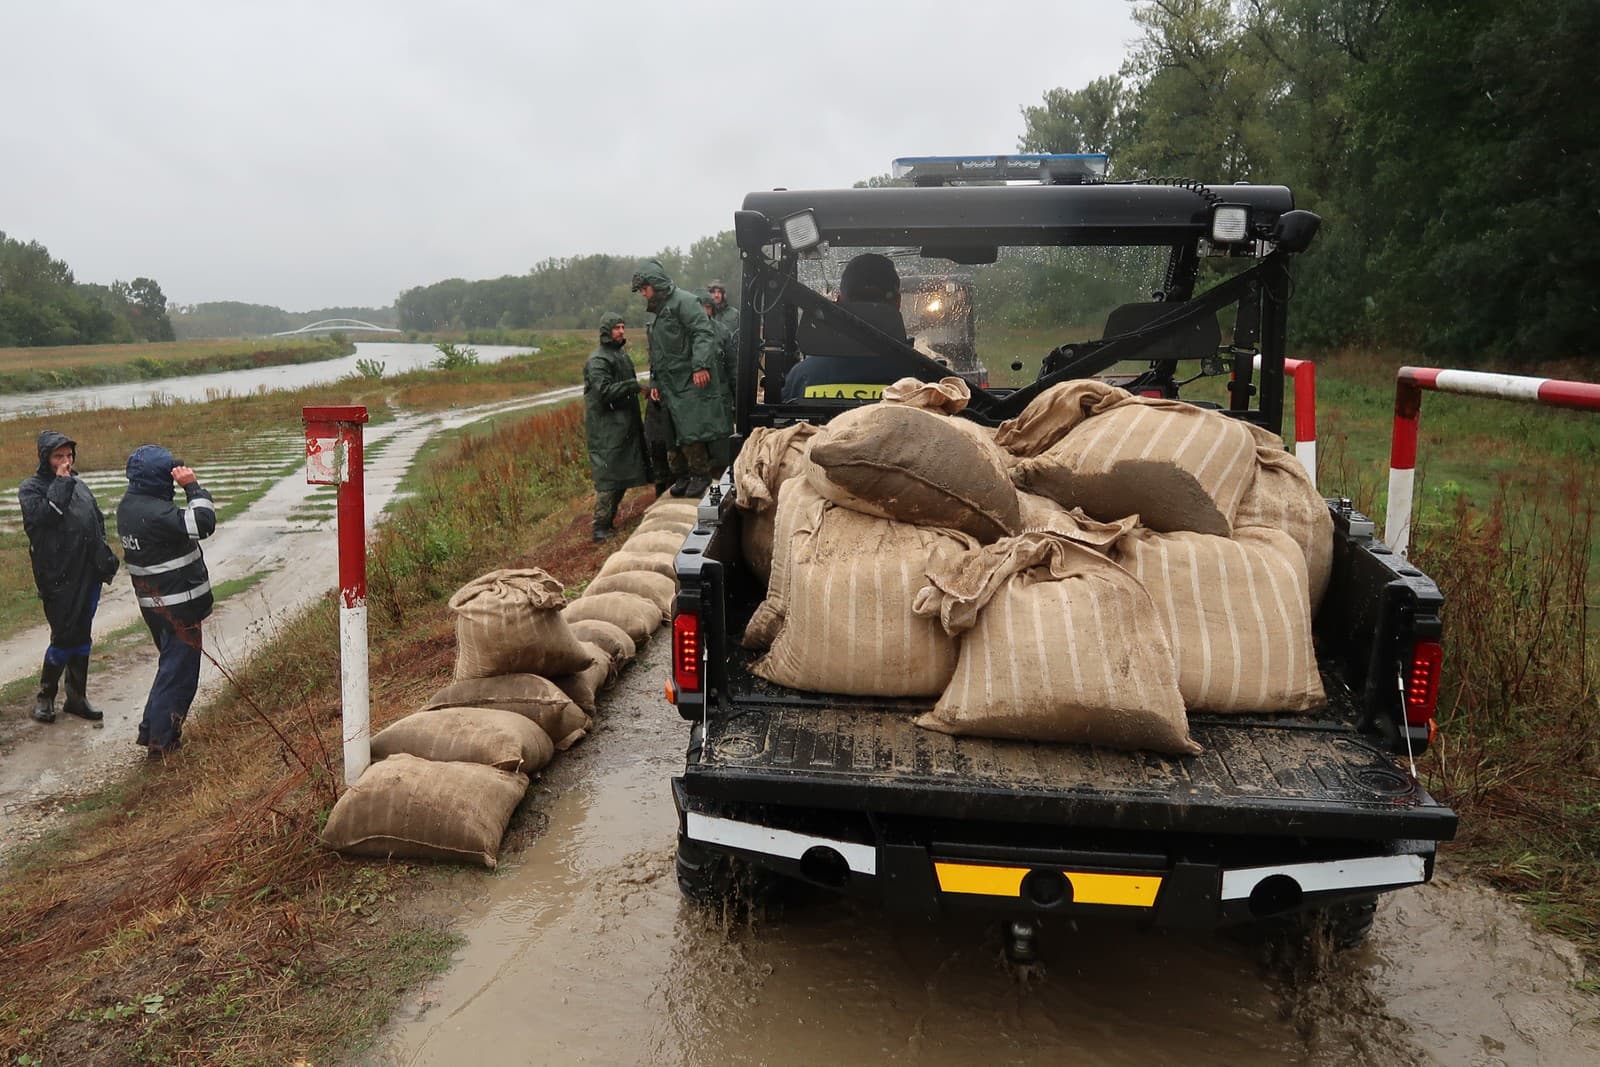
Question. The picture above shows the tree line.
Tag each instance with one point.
(41, 303)
(1451, 147)
(565, 293)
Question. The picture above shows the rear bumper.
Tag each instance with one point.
(1156, 888)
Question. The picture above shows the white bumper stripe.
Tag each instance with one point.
(1366, 872)
(751, 837)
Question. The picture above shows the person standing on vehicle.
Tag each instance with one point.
(161, 544)
(612, 424)
(71, 561)
(683, 375)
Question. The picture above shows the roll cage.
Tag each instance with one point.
(968, 224)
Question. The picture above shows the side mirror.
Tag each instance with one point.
(1294, 230)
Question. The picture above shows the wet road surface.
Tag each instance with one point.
(582, 952)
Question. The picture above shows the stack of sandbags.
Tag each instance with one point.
(446, 779)
(767, 459)
(1233, 542)
(1058, 643)
(635, 587)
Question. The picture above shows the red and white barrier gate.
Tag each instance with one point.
(333, 457)
(1410, 383)
(1303, 372)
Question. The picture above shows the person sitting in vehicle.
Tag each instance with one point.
(839, 367)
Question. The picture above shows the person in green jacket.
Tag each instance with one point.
(728, 351)
(684, 361)
(726, 314)
(612, 425)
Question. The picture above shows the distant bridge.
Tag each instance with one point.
(338, 326)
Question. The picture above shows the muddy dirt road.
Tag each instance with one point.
(582, 952)
(43, 767)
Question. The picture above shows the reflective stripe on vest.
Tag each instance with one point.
(176, 598)
(163, 568)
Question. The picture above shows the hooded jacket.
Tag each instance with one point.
(161, 541)
(611, 421)
(727, 349)
(66, 544)
(683, 341)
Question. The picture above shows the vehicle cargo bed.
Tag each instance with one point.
(1284, 775)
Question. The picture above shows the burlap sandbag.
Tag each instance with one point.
(1064, 645)
(1049, 416)
(947, 396)
(654, 562)
(583, 686)
(534, 698)
(797, 506)
(1176, 466)
(409, 808)
(656, 541)
(843, 623)
(915, 466)
(636, 616)
(509, 622)
(767, 459)
(656, 588)
(1283, 497)
(616, 642)
(675, 506)
(658, 523)
(501, 739)
(1042, 513)
(1237, 613)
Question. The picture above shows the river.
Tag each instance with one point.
(396, 358)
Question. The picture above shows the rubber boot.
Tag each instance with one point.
(77, 691)
(44, 701)
(603, 533)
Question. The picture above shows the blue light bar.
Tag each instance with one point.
(939, 170)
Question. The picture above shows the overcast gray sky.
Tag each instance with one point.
(323, 154)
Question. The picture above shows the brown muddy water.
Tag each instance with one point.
(583, 952)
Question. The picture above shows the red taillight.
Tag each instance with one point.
(1422, 682)
(686, 652)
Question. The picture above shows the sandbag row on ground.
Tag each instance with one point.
(447, 778)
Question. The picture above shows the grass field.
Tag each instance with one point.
(29, 370)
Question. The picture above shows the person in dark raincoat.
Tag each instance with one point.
(727, 350)
(71, 561)
(684, 358)
(161, 543)
(726, 314)
(658, 443)
(612, 424)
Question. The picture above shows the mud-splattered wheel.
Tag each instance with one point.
(705, 877)
(1345, 924)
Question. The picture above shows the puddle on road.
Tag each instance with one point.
(584, 953)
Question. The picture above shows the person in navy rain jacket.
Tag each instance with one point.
(161, 549)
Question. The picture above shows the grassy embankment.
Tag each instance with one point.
(196, 430)
(201, 890)
(33, 370)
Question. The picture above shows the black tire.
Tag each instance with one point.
(705, 877)
(1346, 924)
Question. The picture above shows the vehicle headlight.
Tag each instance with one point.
(935, 304)
(800, 230)
(1230, 223)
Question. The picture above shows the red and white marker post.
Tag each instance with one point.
(1409, 384)
(333, 457)
(1303, 372)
